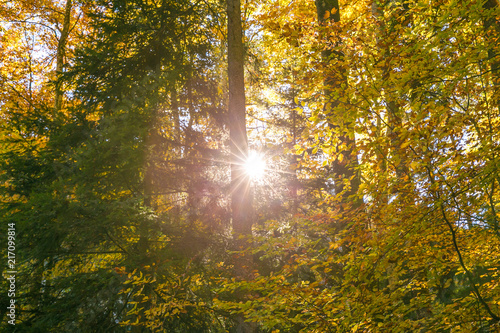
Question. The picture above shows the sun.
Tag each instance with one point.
(255, 165)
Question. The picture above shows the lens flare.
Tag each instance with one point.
(255, 165)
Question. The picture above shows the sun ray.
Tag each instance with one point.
(255, 165)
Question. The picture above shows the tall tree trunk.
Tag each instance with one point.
(492, 27)
(60, 53)
(241, 198)
(345, 165)
(393, 108)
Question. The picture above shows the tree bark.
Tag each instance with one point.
(241, 197)
(345, 165)
(60, 53)
(241, 200)
(393, 108)
(492, 27)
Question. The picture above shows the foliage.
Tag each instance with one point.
(121, 193)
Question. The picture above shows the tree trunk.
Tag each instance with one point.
(345, 165)
(492, 27)
(393, 108)
(241, 198)
(61, 50)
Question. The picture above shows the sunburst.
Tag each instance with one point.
(255, 165)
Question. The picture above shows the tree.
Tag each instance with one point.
(421, 247)
(336, 107)
(89, 201)
(241, 201)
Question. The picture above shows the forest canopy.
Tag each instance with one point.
(250, 166)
